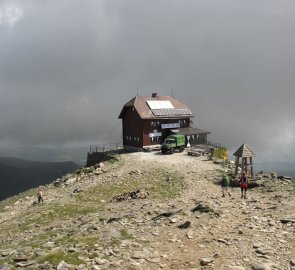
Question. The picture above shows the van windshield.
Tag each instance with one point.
(169, 140)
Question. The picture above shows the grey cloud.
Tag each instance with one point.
(68, 67)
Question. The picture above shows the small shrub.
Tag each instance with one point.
(220, 153)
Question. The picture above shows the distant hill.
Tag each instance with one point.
(275, 166)
(18, 175)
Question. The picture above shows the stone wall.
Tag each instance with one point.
(97, 157)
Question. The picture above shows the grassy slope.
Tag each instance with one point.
(161, 184)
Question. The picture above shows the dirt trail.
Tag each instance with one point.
(230, 238)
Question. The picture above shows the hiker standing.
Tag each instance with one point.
(40, 196)
(225, 185)
(244, 182)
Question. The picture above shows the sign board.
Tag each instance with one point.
(155, 134)
(172, 125)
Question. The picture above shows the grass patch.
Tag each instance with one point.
(66, 241)
(3, 261)
(100, 193)
(70, 210)
(125, 235)
(56, 257)
(142, 241)
(158, 182)
(63, 240)
(113, 159)
(131, 268)
(116, 242)
(89, 241)
(56, 212)
(38, 240)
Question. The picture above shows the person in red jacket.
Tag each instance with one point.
(244, 182)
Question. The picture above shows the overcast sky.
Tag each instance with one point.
(67, 67)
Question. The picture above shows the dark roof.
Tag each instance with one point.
(244, 151)
(145, 112)
(190, 131)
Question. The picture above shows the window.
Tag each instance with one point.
(154, 123)
(155, 139)
(182, 123)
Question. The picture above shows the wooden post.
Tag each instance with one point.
(237, 165)
(251, 162)
(243, 165)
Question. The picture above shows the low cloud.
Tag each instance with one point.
(68, 67)
(10, 15)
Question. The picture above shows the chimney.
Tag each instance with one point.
(154, 94)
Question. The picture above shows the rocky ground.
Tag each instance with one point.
(96, 219)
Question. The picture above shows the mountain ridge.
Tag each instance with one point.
(18, 175)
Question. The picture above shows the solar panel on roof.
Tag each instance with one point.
(165, 112)
(159, 104)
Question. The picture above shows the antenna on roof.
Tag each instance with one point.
(172, 92)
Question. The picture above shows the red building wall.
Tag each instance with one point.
(132, 128)
(136, 131)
